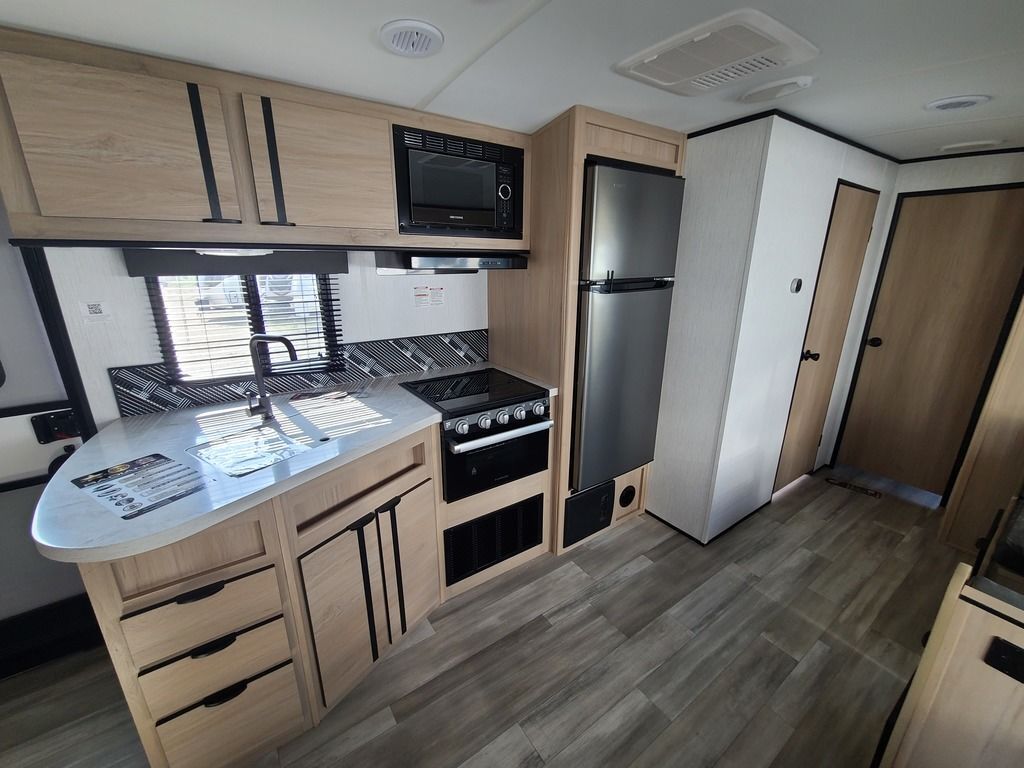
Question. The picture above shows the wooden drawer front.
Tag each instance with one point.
(628, 146)
(200, 616)
(214, 666)
(266, 713)
(316, 501)
(229, 543)
(632, 479)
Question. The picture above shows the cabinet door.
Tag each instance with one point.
(315, 166)
(100, 143)
(409, 541)
(344, 595)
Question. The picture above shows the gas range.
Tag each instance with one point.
(483, 402)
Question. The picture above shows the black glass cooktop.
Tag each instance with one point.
(478, 391)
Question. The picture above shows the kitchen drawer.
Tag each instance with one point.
(196, 617)
(247, 719)
(213, 666)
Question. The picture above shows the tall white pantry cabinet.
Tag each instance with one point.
(758, 202)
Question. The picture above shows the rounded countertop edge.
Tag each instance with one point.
(106, 552)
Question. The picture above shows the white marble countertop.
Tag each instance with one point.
(71, 526)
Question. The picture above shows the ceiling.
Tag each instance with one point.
(518, 63)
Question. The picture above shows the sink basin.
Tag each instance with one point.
(248, 451)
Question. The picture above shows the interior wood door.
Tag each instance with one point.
(412, 571)
(344, 591)
(853, 212)
(953, 268)
(315, 166)
(99, 143)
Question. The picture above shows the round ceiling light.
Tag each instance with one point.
(411, 38)
(957, 102)
(777, 89)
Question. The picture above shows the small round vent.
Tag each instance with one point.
(957, 102)
(411, 38)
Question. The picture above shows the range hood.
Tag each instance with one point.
(435, 262)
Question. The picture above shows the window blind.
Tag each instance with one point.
(204, 322)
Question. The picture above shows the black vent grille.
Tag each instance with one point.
(492, 153)
(486, 541)
(434, 143)
(456, 147)
(474, 150)
(412, 138)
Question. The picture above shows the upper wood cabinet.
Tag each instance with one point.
(99, 143)
(316, 166)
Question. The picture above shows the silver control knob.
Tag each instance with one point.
(501, 417)
(462, 427)
(484, 422)
(538, 409)
(504, 191)
(519, 414)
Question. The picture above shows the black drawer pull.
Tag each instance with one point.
(199, 594)
(390, 505)
(1004, 656)
(222, 697)
(363, 521)
(214, 646)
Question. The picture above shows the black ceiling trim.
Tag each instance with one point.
(838, 137)
(798, 121)
(977, 153)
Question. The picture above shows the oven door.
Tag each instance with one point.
(475, 465)
(449, 190)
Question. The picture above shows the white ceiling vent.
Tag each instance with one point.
(717, 53)
(412, 38)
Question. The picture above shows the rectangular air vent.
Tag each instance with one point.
(485, 541)
(722, 51)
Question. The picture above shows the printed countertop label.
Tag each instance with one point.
(141, 485)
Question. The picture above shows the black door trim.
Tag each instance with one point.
(1000, 343)
(840, 182)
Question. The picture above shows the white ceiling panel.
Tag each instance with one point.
(328, 44)
(518, 63)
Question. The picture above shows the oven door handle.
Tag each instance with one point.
(500, 437)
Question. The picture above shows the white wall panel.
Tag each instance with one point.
(796, 200)
(722, 182)
(381, 306)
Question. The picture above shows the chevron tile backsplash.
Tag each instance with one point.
(142, 389)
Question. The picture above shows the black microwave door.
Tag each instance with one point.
(448, 190)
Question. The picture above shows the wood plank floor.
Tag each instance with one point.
(785, 642)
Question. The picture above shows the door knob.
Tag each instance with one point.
(874, 341)
(808, 355)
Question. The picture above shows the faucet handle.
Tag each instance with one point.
(253, 409)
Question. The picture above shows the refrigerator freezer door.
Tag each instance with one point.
(631, 223)
(621, 358)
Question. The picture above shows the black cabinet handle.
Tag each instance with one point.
(226, 695)
(874, 341)
(1004, 656)
(214, 646)
(808, 355)
(199, 594)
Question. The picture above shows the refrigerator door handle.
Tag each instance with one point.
(624, 286)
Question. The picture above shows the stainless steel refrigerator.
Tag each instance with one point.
(628, 260)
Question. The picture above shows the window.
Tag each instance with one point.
(204, 323)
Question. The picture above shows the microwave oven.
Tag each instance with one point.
(447, 185)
